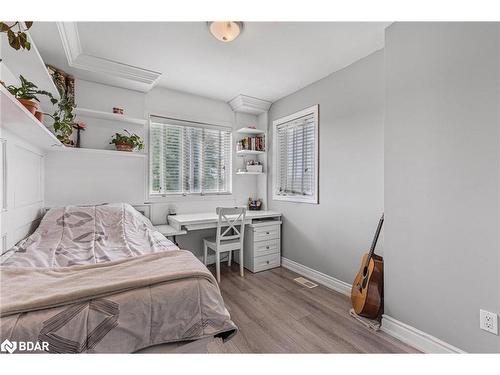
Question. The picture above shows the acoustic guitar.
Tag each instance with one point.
(367, 288)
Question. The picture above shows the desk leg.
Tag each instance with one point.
(174, 240)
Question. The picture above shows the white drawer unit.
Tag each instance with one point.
(267, 247)
(262, 248)
(265, 233)
(266, 262)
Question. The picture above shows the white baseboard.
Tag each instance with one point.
(319, 277)
(416, 338)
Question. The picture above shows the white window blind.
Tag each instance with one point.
(189, 158)
(295, 157)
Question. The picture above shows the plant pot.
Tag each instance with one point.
(39, 116)
(29, 105)
(124, 147)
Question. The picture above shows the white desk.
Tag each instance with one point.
(206, 220)
(262, 235)
(169, 231)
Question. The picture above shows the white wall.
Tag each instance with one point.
(100, 97)
(24, 177)
(73, 179)
(442, 179)
(332, 236)
(86, 178)
(103, 175)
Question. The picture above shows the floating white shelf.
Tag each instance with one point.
(250, 131)
(19, 121)
(253, 173)
(31, 66)
(84, 112)
(100, 151)
(249, 152)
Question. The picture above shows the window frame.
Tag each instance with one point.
(313, 199)
(154, 196)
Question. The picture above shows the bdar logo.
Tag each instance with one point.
(8, 346)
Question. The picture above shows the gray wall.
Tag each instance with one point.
(332, 236)
(442, 179)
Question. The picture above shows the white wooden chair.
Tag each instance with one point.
(228, 240)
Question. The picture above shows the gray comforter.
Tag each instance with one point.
(101, 279)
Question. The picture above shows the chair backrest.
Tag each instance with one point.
(231, 223)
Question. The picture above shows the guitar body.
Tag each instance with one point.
(368, 286)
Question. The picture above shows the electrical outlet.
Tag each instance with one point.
(488, 321)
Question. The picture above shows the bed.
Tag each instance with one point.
(101, 279)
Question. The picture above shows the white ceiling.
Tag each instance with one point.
(269, 60)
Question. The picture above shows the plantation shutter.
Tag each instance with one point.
(216, 158)
(187, 158)
(296, 169)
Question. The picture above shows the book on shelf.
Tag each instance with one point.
(251, 143)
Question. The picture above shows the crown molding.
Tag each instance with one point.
(107, 71)
(70, 40)
(248, 104)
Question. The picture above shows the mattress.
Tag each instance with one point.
(63, 287)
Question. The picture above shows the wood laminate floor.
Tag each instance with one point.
(276, 315)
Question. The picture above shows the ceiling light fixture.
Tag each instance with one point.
(225, 31)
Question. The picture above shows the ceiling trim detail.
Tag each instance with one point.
(248, 104)
(70, 40)
(119, 74)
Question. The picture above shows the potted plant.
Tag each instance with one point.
(127, 142)
(27, 94)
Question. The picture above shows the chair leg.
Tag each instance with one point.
(205, 250)
(241, 262)
(229, 256)
(217, 265)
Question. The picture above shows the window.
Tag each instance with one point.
(295, 155)
(189, 158)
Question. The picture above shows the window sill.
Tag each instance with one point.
(159, 198)
(295, 199)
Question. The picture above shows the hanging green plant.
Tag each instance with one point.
(64, 120)
(18, 39)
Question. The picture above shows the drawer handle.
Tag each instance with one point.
(267, 247)
(267, 232)
(267, 262)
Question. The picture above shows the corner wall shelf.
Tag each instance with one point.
(99, 151)
(19, 121)
(251, 131)
(249, 152)
(109, 116)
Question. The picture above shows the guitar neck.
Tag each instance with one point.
(375, 238)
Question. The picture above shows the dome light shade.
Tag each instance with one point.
(225, 31)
